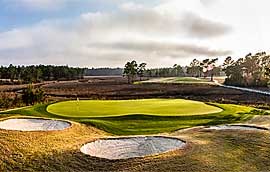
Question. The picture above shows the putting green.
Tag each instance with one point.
(110, 108)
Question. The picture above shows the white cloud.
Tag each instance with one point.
(159, 37)
(51, 44)
(15, 39)
(208, 2)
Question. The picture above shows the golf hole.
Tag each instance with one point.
(131, 147)
(32, 124)
(237, 127)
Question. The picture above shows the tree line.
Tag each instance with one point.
(196, 68)
(204, 68)
(250, 71)
(133, 69)
(104, 72)
(38, 73)
(175, 71)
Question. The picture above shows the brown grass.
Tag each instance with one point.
(117, 88)
(207, 151)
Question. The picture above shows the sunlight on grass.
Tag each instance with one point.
(108, 108)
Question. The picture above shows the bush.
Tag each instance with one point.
(31, 95)
(259, 112)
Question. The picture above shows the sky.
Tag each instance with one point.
(108, 33)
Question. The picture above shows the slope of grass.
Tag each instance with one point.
(110, 108)
(145, 124)
(149, 124)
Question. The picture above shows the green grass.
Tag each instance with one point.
(137, 124)
(178, 80)
(189, 79)
(112, 108)
(145, 124)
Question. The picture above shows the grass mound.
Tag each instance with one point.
(111, 108)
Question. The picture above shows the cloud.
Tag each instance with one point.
(111, 38)
(208, 2)
(162, 48)
(197, 26)
(14, 39)
(138, 19)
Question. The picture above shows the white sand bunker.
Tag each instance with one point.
(236, 127)
(131, 147)
(28, 124)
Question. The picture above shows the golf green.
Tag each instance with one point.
(110, 108)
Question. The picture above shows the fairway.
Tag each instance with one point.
(178, 80)
(110, 108)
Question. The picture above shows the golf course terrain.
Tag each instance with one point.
(146, 116)
(211, 151)
(205, 150)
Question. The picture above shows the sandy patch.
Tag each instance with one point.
(130, 147)
(28, 124)
(236, 127)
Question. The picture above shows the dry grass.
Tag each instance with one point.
(207, 152)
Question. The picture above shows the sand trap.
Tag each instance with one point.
(236, 127)
(123, 148)
(28, 124)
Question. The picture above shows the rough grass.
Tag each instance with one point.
(111, 108)
(230, 151)
(149, 124)
(43, 151)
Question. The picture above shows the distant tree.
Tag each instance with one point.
(252, 70)
(204, 64)
(208, 66)
(12, 72)
(212, 67)
(141, 70)
(227, 62)
(178, 70)
(130, 70)
(149, 72)
(30, 95)
(194, 68)
(29, 74)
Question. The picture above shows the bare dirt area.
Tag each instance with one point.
(117, 88)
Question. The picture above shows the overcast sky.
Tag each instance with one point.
(99, 33)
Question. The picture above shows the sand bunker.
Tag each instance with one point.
(236, 127)
(23, 124)
(123, 148)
